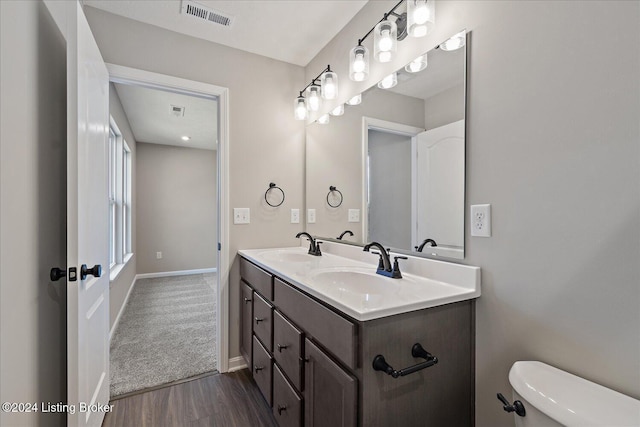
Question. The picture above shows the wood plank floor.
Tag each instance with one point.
(217, 400)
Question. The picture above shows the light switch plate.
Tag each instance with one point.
(481, 220)
(311, 216)
(241, 215)
(295, 216)
(354, 215)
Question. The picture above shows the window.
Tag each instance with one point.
(119, 200)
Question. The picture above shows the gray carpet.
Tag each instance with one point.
(167, 332)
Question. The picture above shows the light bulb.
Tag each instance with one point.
(419, 31)
(329, 83)
(358, 77)
(323, 120)
(455, 42)
(300, 108)
(185, 138)
(358, 63)
(314, 98)
(385, 43)
(356, 100)
(384, 56)
(388, 82)
(338, 111)
(329, 89)
(420, 17)
(418, 64)
(420, 14)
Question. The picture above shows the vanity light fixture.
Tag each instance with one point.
(356, 100)
(420, 16)
(385, 40)
(328, 88)
(417, 65)
(338, 111)
(455, 42)
(323, 120)
(185, 138)
(388, 82)
(359, 63)
(314, 100)
(300, 108)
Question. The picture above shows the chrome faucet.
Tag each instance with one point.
(384, 264)
(314, 246)
(349, 232)
(423, 244)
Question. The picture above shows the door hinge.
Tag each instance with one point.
(219, 246)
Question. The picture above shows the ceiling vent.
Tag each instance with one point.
(205, 13)
(177, 111)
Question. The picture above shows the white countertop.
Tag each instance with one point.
(348, 281)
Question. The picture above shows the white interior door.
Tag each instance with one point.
(87, 222)
(440, 186)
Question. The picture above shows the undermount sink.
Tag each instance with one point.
(287, 255)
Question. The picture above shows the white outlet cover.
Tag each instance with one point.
(480, 220)
(295, 216)
(354, 215)
(311, 216)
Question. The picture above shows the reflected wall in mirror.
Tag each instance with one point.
(399, 160)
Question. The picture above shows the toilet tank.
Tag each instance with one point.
(553, 397)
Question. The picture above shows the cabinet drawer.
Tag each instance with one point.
(262, 369)
(259, 279)
(335, 332)
(287, 405)
(287, 348)
(246, 310)
(263, 320)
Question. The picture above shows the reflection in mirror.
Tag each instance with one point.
(398, 158)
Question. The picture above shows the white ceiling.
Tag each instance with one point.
(150, 116)
(292, 31)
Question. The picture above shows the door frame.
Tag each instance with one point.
(127, 75)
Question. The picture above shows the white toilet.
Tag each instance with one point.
(552, 397)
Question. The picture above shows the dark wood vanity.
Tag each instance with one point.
(313, 363)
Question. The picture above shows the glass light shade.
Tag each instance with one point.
(338, 111)
(418, 64)
(388, 82)
(329, 83)
(455, 42)
(356, 100)
(359, 63)
(323, 120)
(421, 15)
(385, 41)
(314, 100)
(300, 108)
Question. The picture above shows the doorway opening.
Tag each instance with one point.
(178, 301)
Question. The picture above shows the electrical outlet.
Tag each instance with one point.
(158, 255)
(295, 216)
(311, 216)
(354, 215)
(241, 216)
(481, 220)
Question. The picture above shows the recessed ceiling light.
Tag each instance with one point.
(186, 138)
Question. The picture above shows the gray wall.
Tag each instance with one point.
(119, 288)
(389, 189)
(444, 107)
(266, 143)
(553, 144)
(33, 205)
(177, 208)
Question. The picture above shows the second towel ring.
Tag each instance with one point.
(333, 189)
(273, 186)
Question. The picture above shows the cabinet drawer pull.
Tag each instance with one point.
(281, 408)
(259, 319)
(281, 347)
(258, 368)
(246, 300)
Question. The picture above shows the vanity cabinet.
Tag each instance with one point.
(313, 363)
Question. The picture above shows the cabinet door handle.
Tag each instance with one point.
(259, 319)
(258, 368)
(281, 347)
(246, 300)
(281, 408)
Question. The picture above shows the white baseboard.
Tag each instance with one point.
(237, 363)
(124, 304)
(175, 273)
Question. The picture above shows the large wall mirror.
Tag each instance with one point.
(392, 168)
